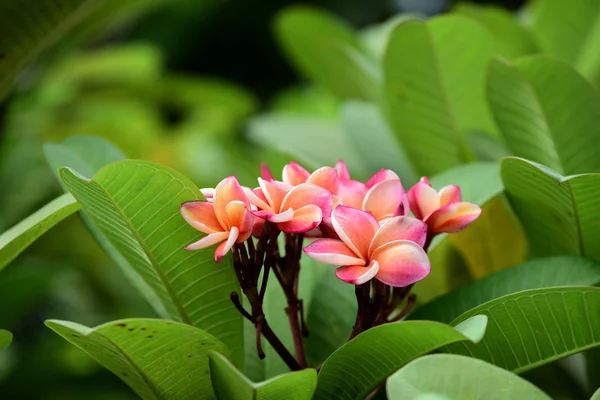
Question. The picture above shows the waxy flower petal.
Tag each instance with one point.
(332, 251)
(382, 175)
(294, 174)
(305, 219)
(355, 228)
(357, 274)
(352, 193)
(208, 193)
(228, 190)
(400, 228)
(201, 215)
(453, 217)
(401, 263)
(208, 241)
(386, 199)
(423, 200)
(325, 177)
(342, 170)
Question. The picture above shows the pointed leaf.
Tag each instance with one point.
(358, 367)
(136, 205)
(229, 383)
(544, 272)
(5, 339)
(434, 89)
(326, 50)
(577, 46)
(20, 236)
(534, 327)
(559, 214)
(158, 359)
(527, 100)
(458, 377)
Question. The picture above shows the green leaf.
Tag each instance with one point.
(479, 182)
(326, 50)
(512, 39)
(136, 205)
(559, 214)
(527, 100)
(358, 367)
(458, 377)
(5, 339)
(20, 236)
(534, 327)
(596, 395)
(434, 89)
(29, 27)
(540, 273)
(158, 359)
(578, 46)
(313, 141)
(229, 383)
(373, 140)
(85, 154)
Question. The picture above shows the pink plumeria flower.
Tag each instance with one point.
(295, 209)
(392, 252)
(443, 211)
(225, 218)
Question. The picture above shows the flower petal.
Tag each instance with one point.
(201, 215)
(305, 219)
(355, 227)
(208, 241)
(238, 216)
(305, 194)
(386, 199)
(352, 193)
(453, 217)
(265, 172)
(423, 200)
(401, 263)
(293, 174)
(449, 194)
(399, 228)
(228, 190)
(382, 175)
(342, 170)
(208, 193)
(257, 198)
(357, 274)
(224, 247)
(285, 216)
(332, 251)
(325, 177)
(274, 193)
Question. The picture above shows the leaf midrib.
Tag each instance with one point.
(151, 259)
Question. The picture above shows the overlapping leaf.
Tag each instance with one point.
(20, 236)
(540, 273)
(154, 357)
(559, 214)
(534, 327)
(527, 100)
(460, 378)
(229, 383)
(5, 339)
(356, 368)
(434, 89)
(136, 205)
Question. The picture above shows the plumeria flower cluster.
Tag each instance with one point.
(364, 228)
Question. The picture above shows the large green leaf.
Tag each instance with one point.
(20, 236)
(577, 44)
(372, 139)
(326, 50)
(459, 378)
(5, 339)
(434, 89)
(479, 182)
(512, 39)
(136, 205)
(28, 27)
(527, 100)
(596, 395)
(230, 384)
(358, 367)
(87, 155)
(559, 214)
(540, 273)
(315, 142)
(156, 358)
(534, 327)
